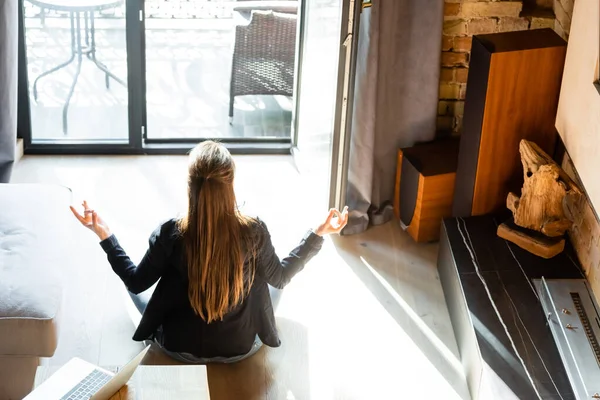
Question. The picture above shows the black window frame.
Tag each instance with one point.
(136, 143)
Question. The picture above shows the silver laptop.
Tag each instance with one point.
(78, 380)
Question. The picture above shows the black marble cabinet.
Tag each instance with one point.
(500, 326)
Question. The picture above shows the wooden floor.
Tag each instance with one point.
(365, 320)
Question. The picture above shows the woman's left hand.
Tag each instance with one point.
(90, 219)
(335, 222)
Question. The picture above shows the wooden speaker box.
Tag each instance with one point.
(425, 178)
(512, 94)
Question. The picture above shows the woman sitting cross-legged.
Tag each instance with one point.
(214, 267)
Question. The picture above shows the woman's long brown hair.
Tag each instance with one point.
(218, 238)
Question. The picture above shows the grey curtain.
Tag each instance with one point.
(395, 100)
(8, 85)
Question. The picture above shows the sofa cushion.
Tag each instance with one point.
(34, 233)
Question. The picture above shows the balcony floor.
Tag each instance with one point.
(188, 72)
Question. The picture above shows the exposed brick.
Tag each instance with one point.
(458, 123)
(462, 43)
(459, 108)
(464, 18)
(452, 59)
(447, 43)
(510, 24)
(544, 4)
(451, 9)
(562, 16)
(567, 6)
(447, 75)
(461, 74)
(559, 30)
(491, 9)
(541, 22)
(481, 25)
(462, 92)
(449, 91)
(445, 123)
(451, 107)
(445, 107)
(455, 27)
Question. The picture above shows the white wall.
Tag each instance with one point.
(578, 119)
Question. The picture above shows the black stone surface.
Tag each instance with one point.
(507, 271)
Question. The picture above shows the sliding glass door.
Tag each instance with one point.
(324, 93)
(220, 69)
(138, 73)
(147, 76)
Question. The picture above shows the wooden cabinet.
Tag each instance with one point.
(512, 94)
(425, 178)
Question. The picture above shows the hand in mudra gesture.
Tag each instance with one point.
(91, 220)
(334, 223)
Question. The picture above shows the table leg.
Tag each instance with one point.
(100, 65)
(77, 72)
(85, 22)
(60, 66)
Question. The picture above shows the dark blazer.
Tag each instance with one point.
(169, 308)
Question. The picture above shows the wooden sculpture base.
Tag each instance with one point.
(532, 241)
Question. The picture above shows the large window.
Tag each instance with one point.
(132, 74)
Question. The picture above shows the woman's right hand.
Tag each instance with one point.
(91, 220)
(334, 223)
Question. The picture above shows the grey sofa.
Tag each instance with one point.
(34, 233)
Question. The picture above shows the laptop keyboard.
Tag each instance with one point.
(88, 386)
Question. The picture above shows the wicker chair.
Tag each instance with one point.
(264, 54)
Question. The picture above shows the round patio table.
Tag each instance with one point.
(83, 41)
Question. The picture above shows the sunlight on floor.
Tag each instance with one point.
(356, 348)
(366, 319)
(439, 345)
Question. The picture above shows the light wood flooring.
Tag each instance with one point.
(366, 319)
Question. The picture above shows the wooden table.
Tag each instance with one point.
(154, 382)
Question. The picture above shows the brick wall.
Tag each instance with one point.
(462, 20)
(563, 9)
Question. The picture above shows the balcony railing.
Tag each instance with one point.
(154, 9)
